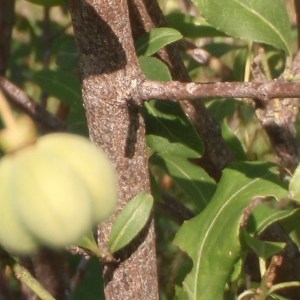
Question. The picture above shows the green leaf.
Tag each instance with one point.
(222, 110)
(90, 287)
(67, 56)
(48, 2)
(192, 179)
(180, 293)
(130, 221)
(264, 21)
(169, 132)
(62, 85)
(211, 239)
(294, 187)
(189, 26)
(264, 215)
(218, 49)
(291, 226)
(66, 88)
(154, 69)
(263, 249)
(156, 39)
(168, 129)
(88, 242)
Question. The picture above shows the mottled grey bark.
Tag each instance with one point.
(109, 67)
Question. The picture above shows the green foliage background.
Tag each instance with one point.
(44, 63)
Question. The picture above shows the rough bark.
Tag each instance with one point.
(175, 90)
(108, 68)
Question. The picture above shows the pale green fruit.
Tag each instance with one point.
(91, 165)
(13, 236)
(50, 199)
(15, 138)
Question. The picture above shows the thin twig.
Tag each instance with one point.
(176, 91)
(268, 278)
(24, 276)
(19, 98)
(283, 285)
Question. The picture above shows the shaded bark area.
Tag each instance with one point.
(108, 68)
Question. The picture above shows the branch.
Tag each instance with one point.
(20, 99)
(176, 91)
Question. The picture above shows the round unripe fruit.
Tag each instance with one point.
(21, 135)
(53, 192)
(93, 167)
(50, 200)
(13, 236)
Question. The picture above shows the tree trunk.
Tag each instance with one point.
(109, 68)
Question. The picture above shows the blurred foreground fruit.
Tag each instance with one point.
(53, 191)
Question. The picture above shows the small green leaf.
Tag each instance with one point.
(189, 26)
(263, 249)
(154, 69)
(88, 242)
(211, 239)
(130, 221)
(264, 215)
(66, 88)
(192, 179)
(67, 56)
(218, 49)
(222, 110)
(169, 132)
(168, 129)
(156, 39)
(294, 187)
(264, 21)
(62, 85)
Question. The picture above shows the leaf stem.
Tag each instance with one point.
(283, 285)
(248, 62)
(246, 293)
(24, 276)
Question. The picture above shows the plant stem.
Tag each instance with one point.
(176, 91)
(24, 276)
(248, 62)
(283, 285)
(245, 294)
